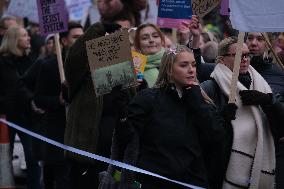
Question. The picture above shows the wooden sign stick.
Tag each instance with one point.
(266, 38)
(174, 35)
(237, 62)
(59, 58)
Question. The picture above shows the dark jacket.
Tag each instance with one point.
(174, 140)
(91, 118)
(47, 91)
(274, 113)
(203, 70)
(15, 97)
(271, 72)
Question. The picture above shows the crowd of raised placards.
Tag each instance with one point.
(175, 120)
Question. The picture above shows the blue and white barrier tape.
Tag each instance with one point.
(94, 156)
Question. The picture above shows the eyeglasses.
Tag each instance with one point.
(244, 55)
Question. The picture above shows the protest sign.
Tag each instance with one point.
(203, 7)
(139, 62)
(53, 16)
(110, 62)
(21, 8)
(225, 10)
(257, 16)
(236, 69)
(172, 13)
(77, 9)
(150, 14)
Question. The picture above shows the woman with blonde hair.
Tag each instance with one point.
(15, 97)
(174, 124)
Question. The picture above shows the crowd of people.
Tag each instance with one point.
(176, 122)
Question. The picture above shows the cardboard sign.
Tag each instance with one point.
(23, 8)
(172, 12)
(53, 16)
(139, 62)
(203, 7)
(225, 10)
(110, 62)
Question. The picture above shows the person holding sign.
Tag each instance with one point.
(91, 118)
(274, 76)
(271, 72)
(248, 155)
(175, 123)
(49, 98)
(149, 41)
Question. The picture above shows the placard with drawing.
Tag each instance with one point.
(110, 62)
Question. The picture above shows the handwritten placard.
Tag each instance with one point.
(171, 13)
(203, 7)
(110, 62)
(53, 16)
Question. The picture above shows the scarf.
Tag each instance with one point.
(252, 160)
(152, 67)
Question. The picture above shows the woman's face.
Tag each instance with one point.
(24, 40)
(49, 46)
(184, 70)
(150, 41)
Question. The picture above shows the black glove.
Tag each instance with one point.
(193, 97)
(120, 99)
(253, 97)
(229, 111)
(64, 91)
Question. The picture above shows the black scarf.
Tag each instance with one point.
(245, 79)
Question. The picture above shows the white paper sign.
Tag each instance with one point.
(257, 16)
(23, 8)
(77, 9)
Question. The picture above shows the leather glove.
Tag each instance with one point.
(253, 97)
(192, 96)
(229, 111)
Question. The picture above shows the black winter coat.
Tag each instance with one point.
(271, 72)
(47, 91)
(15, 97)
(174, 140)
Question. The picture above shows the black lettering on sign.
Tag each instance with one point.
(47, 2)
(51, 18)
(53, 27)
(45, 10)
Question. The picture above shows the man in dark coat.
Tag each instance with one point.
(91, 119)
(48, 97)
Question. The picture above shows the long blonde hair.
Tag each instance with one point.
(166, 68)
(10, 40)
(167, 63)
